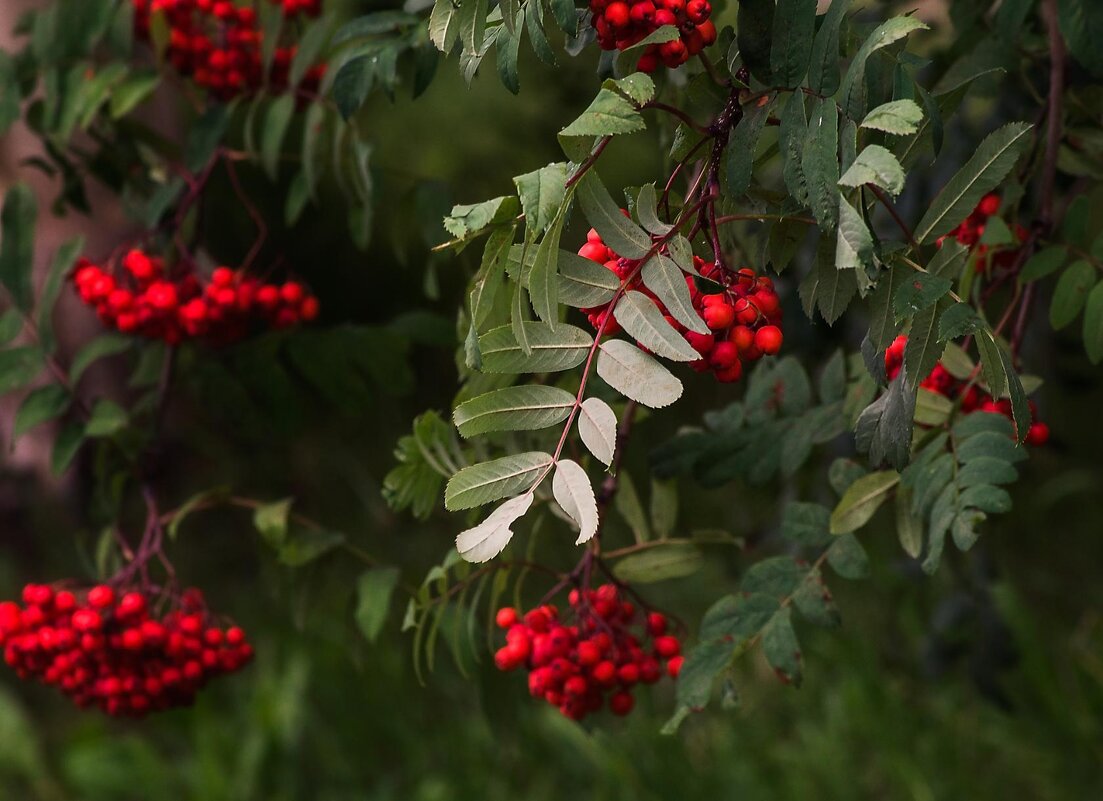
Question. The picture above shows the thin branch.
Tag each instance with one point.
(881, 196)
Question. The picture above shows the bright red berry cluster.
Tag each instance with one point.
(940, 381)
(574, 667)
(743, 315)
(218, 44)
(146, 300)
(971, 230)
(104, 649)
(621, 25)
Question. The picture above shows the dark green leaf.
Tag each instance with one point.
(40, 406)
(17, 225)
(374, 589)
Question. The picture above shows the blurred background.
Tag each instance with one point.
(984, 682)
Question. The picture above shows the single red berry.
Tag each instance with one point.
(768, 339)
(674, 666)
(101, 596)
(621, 703)
(506, 617)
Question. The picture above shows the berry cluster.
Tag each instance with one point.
(111, 651)
(940, 381)
(218, 44)
(743, 316)
(150, 302)
(574, 667)
(621, 25)
(971, 230)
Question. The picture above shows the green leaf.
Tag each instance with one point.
(827, 287)
(703, 664)
(641, 318)
(883, 324)
(132, 92)
(823, 70)
(1071, 293)
(875, 165)
(610, 114)
(597, 426)
(1082, 26)
(991, 364)
(957, 361)
(17, 226)
(19, 367)
(909, 526)
(634, 374)
(782, 649)
(884, 428)
(820, 163)
(814, 602)
(794, 24)
(486, 540)
(574, 493)
(276, 122)
(662, 276)
(508, 47)
(957, 321)
(543, 278)
(204, 137)
(107, 419)
(542, 194)
(983, 172)
(628, 506)
(854, 246)
(550, 351)
(11, 323)
(777, 577)
(523, 408)
(668, 561)
(44, 312)
(308, 544)
(646, 205)
(848, 558)
(66, 446)
(806, 524)
(353, 83)
(270, 520)
(898, 117)
(792, 134)
(374, 589)
(664, 507)
(738, 617)
(754, 35)
(444, 25)
(922, 351)
(1044, 262)
(1093, 324)
(918, 292)
(861, 500)
(101, 347)
(490, 481)
(40, 406)
(931, 408)
(466, 221)
(309, 46)
(617, 231)
(741, 150)
(854, 92)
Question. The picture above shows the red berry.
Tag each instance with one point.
(506, 617)
(768, 339)
(621, 703)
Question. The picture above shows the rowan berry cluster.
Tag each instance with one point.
(603, 653)
(620, 25)
(148, 301)
(743, 315)
(218, 44)
(970, 231)
(973, 399)
(110, 650)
